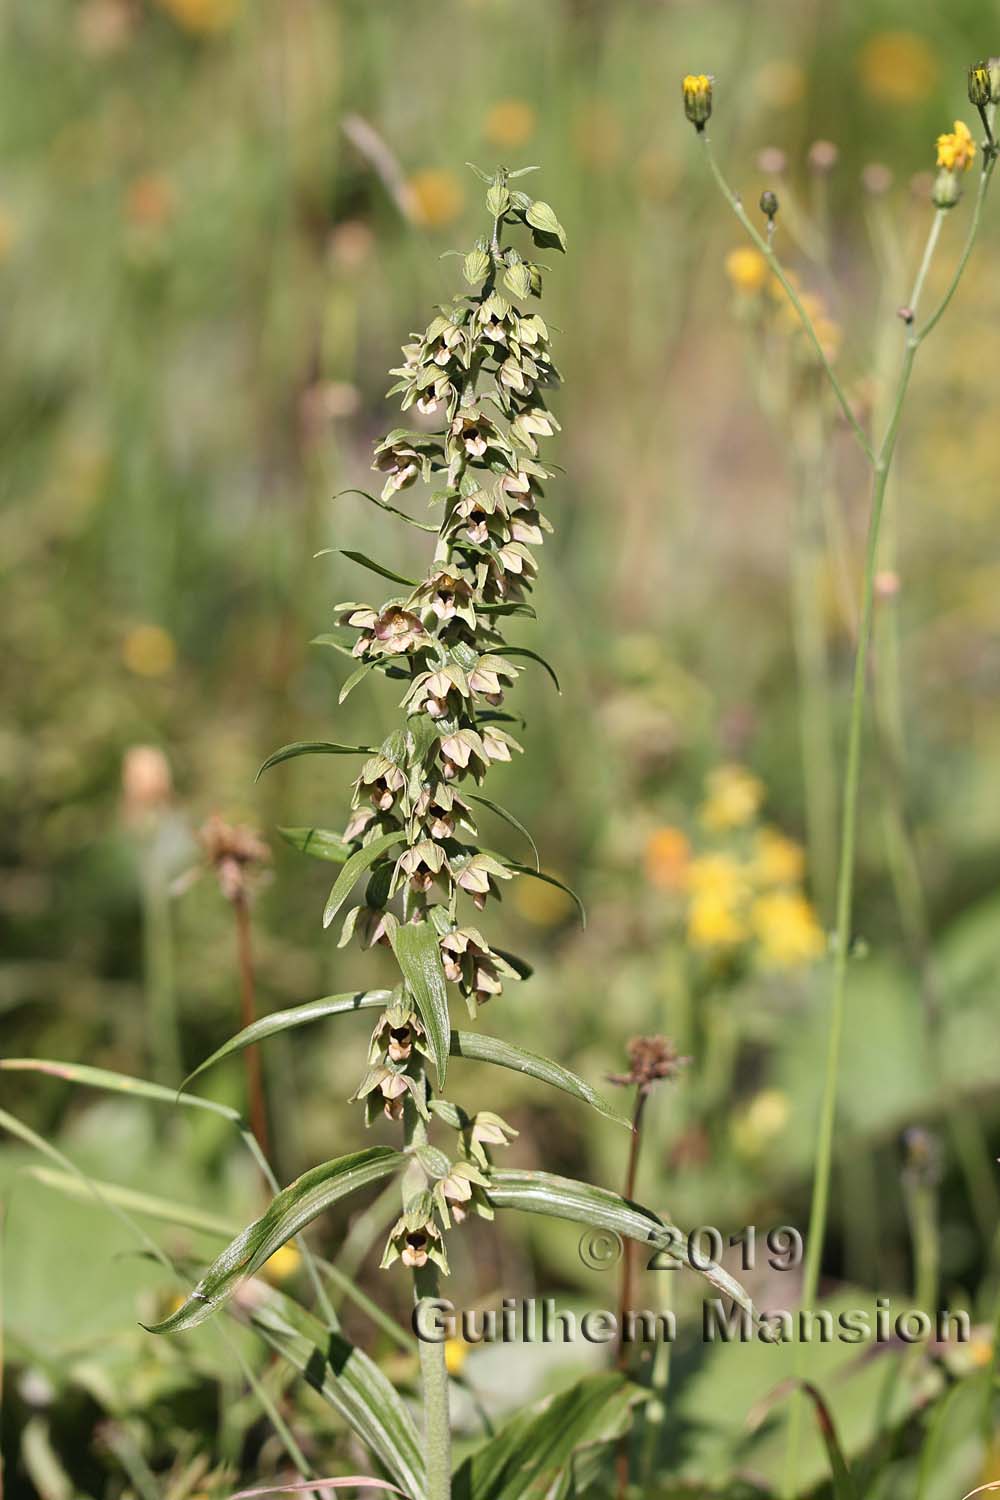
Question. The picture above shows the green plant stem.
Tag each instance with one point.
(768, 253)
(627, 1282)
(158, 965)
(256, 1099)
(434, 1382)
(852, 777)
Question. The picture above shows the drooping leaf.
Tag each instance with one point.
(533, 656)
(351, 1383)
(415, 945)
(375, 567)
(541, 216)
(508, 817)
(320, 843)
(524, 1460)
(564, 1198)
(355, 678)
(354, 868)
(132, 1201)
(287, 1020)
(310, 747)
(476, 1047)
(286, 1216)
(384, 505)
(550, 880)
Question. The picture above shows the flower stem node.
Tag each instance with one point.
(697, 92)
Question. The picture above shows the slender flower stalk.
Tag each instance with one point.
(956, 151)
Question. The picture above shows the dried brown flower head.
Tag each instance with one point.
(651, 1060)
(234, 852)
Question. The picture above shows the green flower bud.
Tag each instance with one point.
(993, 68)
(768, 203)
(476, 267)
(947, 189)
(697, 91)
(980, 91)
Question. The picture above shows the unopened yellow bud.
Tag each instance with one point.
(697, 91)
(979, 85)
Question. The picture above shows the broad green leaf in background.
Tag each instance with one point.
(523, 1461)
(415, 945)
(320, 843)
(354, 868)
(478, 1048)
(564, 1198)
(310, 747)
(287, 1214)
(348, 1381)
(287, 1020)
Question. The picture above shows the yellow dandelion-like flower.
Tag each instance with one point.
(696, 89)
(203, 17)
(456, 1352)
(787, 931)
(668, 856)
(436, 197)
(733, 796)
(777, 860)
(746, 269)
(510, 122)
(898, 67)
(282, 1265)
(149, 651)
(956, 149)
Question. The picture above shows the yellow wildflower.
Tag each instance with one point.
(716, 915)
(777, 860)
(787, 930)
(780, 83)
(455, 1354)
(956, 149)
(436, 197)
(714, 922)
(201, 16)
(733, 797)
(746, 269)
(668, 855)
(149, 651)
(765, 1117)
(898, 67)
(510, 122)
(282, 1265)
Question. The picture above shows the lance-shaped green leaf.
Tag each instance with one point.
(117, 1083)
(354, 868)
(415, 945)
(286, 1216)
(320, 843)
(550, 880)
(524, 1460)
(310, 747)
(478, 1048)
(288, 1020)
(383, 505)
(349, 1382)
(534, 656)
(564, 1198)
(508, 817)
(375, 567)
